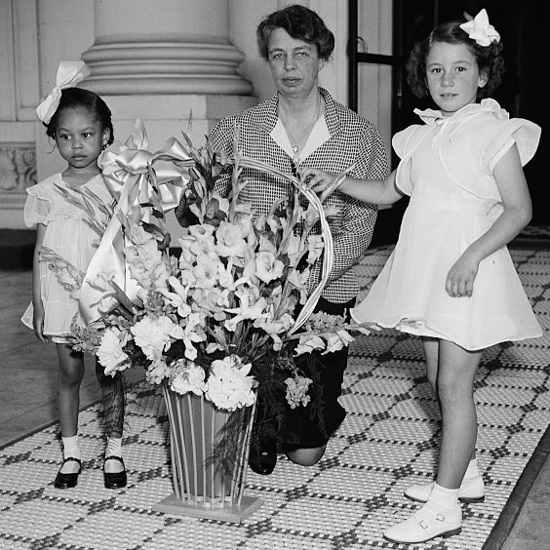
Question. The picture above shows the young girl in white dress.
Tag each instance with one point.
(450, 278)
(79, 122)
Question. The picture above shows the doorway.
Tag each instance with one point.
(521, 91)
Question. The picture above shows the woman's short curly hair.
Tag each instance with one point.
(78, 98)
(489, 59)
(302, 24)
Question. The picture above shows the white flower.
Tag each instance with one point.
(229, 386)
(157, 372)
(309, 343)
(206, 271)
(178, 298)
(154, 335)
(187, 377)
(315, 247)
(268, 267)
(192, 331)
(230, 241)
(296, 391)
(293, 249)
(202, 232)
(110, 353)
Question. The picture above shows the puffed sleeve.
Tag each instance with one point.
(404, 143)
(37, 206)
(524, 133)
(401, 140)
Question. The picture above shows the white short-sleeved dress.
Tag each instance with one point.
(446, 168)
(68, 235)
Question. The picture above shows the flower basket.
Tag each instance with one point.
(203, 486)
(218, 326)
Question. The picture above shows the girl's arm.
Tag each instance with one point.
(517, 213)
(37, 304)
(381, 192)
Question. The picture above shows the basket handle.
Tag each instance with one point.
(328, 257)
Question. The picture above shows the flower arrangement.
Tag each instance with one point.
(228, 314)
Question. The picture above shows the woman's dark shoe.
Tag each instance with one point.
(114, 480)
(66, 481)
(263, 456)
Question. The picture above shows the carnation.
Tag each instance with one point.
(187, 377)
(229, 386)
(155, 334)
(111, 353)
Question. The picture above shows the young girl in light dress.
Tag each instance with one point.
(450, 278)
(79, 122)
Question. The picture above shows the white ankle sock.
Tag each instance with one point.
(472, 471)
(446, 498)
(114, 447)
(70, 447)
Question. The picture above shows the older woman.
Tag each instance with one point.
(301, 125)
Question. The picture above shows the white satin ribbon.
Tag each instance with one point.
(480, 30)
(69, 73)
(126, 173)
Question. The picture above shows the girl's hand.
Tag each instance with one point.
(461, 277)
(38, 323)
(319, 181)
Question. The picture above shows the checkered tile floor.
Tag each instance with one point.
(388, 440)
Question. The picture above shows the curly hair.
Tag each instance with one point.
(77, 98)
(489, 59)
(302, 24)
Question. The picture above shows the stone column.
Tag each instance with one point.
(168, 62)
(164, 47)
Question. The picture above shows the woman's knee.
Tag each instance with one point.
(306, 457)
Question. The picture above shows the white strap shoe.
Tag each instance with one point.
(471, 490)
(428, 522)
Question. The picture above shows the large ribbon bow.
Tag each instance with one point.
(480, 30)
(69, 73)
(127, 171)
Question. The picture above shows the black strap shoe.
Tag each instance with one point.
(67, 481)
(114, 480)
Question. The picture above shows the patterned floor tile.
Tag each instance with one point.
(388, 440)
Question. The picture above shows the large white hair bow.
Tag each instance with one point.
(69, 73)
(480, 30)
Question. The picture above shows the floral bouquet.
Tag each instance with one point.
(227, 315)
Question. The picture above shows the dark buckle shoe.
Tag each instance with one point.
(263, 456)
(114, 480)
(67, 481)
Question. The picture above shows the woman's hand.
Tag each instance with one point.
(461, 277)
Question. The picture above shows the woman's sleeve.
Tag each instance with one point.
(358, 217)
(221, 139)
(37, 206)
(524, 133)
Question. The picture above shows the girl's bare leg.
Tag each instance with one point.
(432, 354)
(455, 383)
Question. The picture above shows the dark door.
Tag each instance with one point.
(522, 92)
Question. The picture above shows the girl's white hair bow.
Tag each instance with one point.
(480, 30)
(69, 73)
